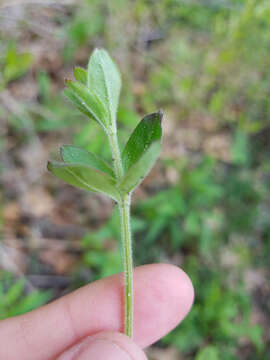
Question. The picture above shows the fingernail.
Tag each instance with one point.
(103, 346)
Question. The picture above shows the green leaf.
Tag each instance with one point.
(80, 75)
(208, 353)
(147, 131)
(89, 100)
(85, 177)
(104, 80)
(141, 151)
(77, 155)
(30, 302)
(70, 95)
(138, 171)
(14, 292)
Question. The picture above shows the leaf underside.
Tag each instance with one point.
(85, 177)
(77, 155)
(74, 99)
(104, 79)
(87, 101)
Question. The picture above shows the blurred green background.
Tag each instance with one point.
(204, 207)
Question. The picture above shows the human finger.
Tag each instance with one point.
(163, 295)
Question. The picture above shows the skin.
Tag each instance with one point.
(163, 295)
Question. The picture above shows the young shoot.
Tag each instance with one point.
(95, 92)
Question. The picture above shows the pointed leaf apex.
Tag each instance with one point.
(161, 114)
(99, 49)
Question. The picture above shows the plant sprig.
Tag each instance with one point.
(95, 92)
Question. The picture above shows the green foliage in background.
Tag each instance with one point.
(13, 64)
(206, 63)
(182, 213)
(101, 252)
(15, 300)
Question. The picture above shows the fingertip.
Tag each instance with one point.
(105, 345)
(169, 293)
(163, 295)
(181, 289)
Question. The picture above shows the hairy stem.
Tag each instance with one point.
(124, 207)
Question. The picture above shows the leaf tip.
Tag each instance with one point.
(98, 50)
(161, 114)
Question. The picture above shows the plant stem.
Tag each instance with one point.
(124, 208)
